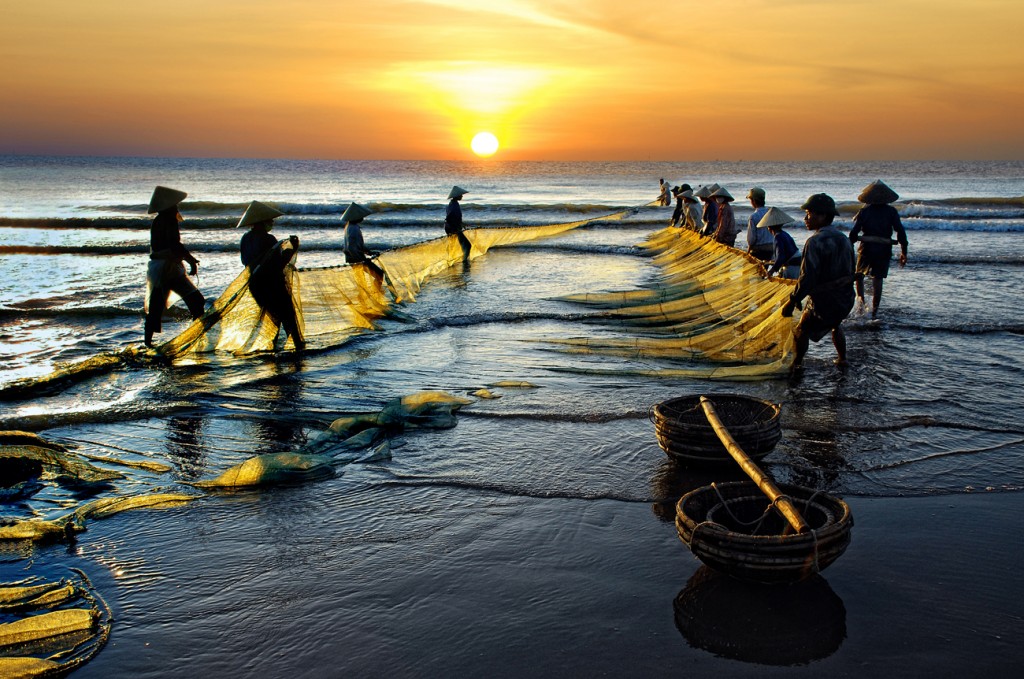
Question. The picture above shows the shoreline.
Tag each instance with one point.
(509, 586)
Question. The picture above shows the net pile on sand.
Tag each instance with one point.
(48, 629)
(713, 315)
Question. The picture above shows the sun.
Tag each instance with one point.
(484, 144)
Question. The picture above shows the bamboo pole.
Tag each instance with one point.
(763, 481)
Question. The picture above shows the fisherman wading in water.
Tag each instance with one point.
(453, 220)
(266, 259)
(166, 273)
(826, 276)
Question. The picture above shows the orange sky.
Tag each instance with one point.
(553, 79)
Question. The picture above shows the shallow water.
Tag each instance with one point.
(535, 537)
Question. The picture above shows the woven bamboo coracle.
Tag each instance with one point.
(686, 436)
(733, 528)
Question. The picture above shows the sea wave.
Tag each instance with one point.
(946, 211)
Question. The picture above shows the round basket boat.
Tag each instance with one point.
(686, 436)
(732, 528)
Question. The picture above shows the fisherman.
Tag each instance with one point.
(873, 227)
(759, 241)
(785, 250)
(679, 213)
(826, 276)
(709, 216)
(453, 220)
(267, 259)
(663, 195)
(166, 273)
(725, 233)
(353, 246)
(691, 212)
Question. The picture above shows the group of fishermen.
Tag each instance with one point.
(827, 272)
(262, 254)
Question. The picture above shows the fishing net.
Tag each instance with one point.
(52, 628)
(334, 303)
(714, 315)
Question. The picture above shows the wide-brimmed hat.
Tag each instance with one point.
(756, 193)
(355, 213)
(164, 198)
(457, 192)
(821, 203)
(258, 212)
(877, 193)
(774, 217)
(721, 192)
(687, 195)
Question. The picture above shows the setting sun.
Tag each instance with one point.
(484, 144)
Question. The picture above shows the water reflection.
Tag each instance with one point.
(672, 481)
(817, 453)
(185, 445)
(277, 429)
(764, 624)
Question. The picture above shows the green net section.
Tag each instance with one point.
(714, 316)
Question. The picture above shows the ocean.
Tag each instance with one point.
(536, 536)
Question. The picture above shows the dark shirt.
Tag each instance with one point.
(826, 270)
(353, 245)
(677, 214)
(874, 226)
(710, 217)
(453, 217)
(785, 249)
(165, 238)
(254, 246)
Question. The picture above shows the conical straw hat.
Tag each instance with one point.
(774, 217)
(355, 213)
(164, 198)
(702, 192)
(456, 192)
(687, 195)
(723, 193)
(877, 193)
(713, 187)
(257, 212)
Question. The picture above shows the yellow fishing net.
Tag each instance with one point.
(332, 304)
(335, 303)
(714, 316)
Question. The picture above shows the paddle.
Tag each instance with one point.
(763, 481)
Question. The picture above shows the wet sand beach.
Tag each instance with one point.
(518, 586)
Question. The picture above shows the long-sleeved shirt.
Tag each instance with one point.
(785, 249)
(692, 216)
(165, 238)
(874, 225)
(756, 236)
(453, 217)
(726, 231)
(709, 217)
(826, 270)
(679, 212)
(352, 244)
(254, 246)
